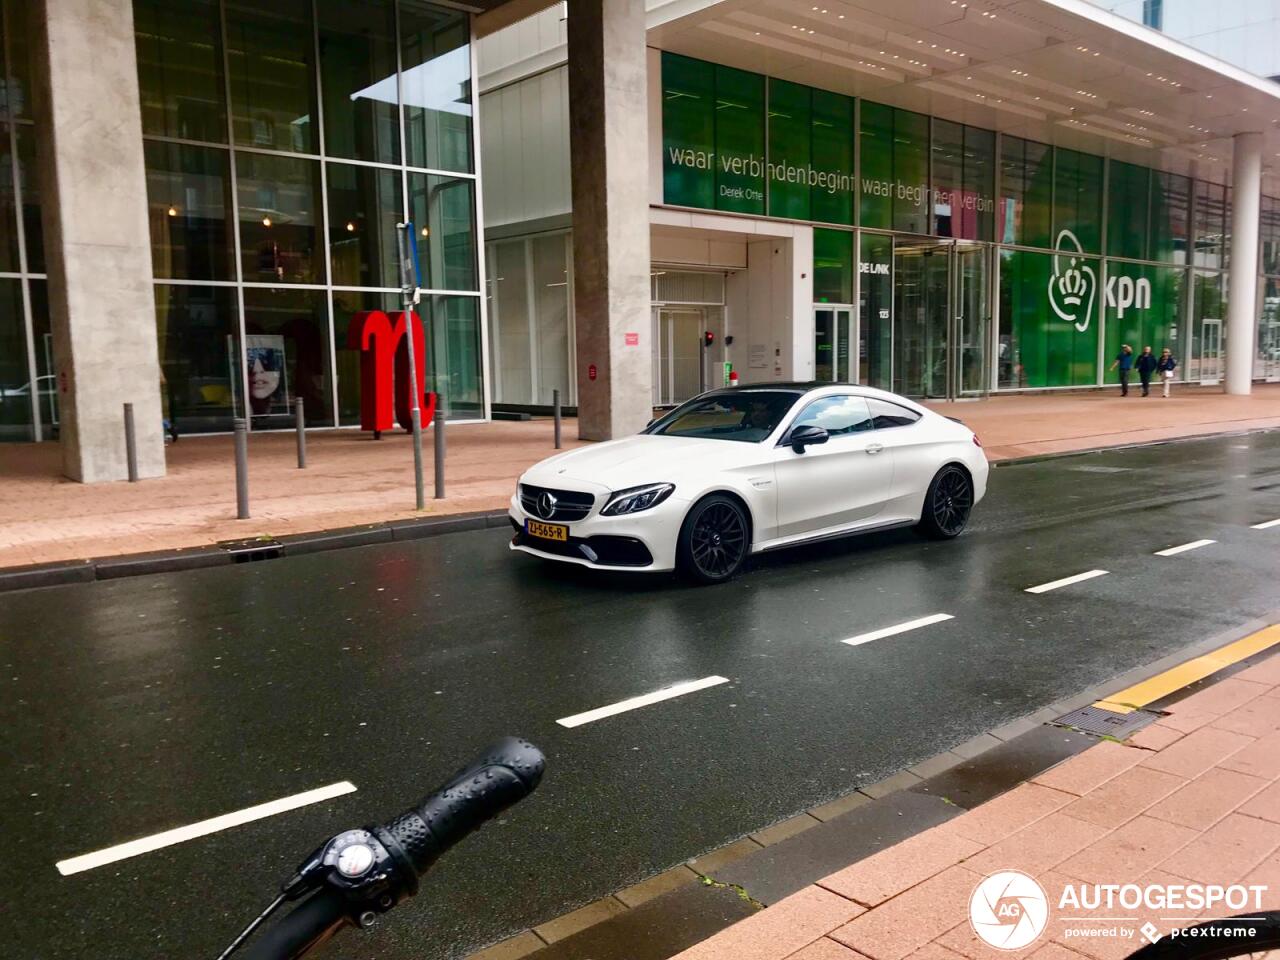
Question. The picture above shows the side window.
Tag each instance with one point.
(837, 415)
(885, 414)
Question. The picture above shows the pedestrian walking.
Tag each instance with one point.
(1166, 365)
(1146, 365)
(1124, 363)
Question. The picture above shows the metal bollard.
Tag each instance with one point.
(130, 443)
(555, 403)
(242, 468)
(439, 446)
(300, 422)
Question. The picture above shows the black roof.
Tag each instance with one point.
(787, 386)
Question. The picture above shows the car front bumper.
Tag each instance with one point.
(644, 541)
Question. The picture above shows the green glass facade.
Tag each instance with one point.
(1089, 253)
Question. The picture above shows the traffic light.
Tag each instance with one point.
(708, 338)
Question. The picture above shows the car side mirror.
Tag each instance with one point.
(802, 437)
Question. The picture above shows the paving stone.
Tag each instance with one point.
(1197, 752)
(1207, 799)
(580, 919)
(1009, 812)
(825, 949)
(1258, 718)
(1266, 671)
(1212, 702)
(1261, 758)
(1038, 847)
(787, 828)
(1265, 805)
(904, 924)
(1124, 797)
(655, 886)
(773, 934)
(1230, 848)
(1090, 769)
(889, 872)
(1154, 737)
(1127, 851)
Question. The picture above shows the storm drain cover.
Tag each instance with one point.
(254, 548)
(1105, 723)
(1101, 469)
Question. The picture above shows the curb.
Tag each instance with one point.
(218, 555)
(690, 902)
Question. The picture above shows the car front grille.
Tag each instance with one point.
(570, 505)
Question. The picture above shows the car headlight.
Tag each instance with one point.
(635, 499)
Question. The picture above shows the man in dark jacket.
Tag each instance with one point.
(1146, 367)
(1124, 361)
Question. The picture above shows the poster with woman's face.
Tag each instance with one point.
(268, 384)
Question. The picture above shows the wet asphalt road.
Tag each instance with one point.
(137, 705)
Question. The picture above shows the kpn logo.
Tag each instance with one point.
(1008, 910)
(1074, 284)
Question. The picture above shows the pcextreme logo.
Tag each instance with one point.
(1008, 910)
(1072, 289)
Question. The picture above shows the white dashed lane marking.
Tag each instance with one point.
(1193, 545)
(168, 838)
(900, 628)
(679, 690)
(1067, 581)
(1266, 526)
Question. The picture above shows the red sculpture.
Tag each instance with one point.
(384, 369)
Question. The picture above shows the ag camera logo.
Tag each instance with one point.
(1008, 910)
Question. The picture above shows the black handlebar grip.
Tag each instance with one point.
(507, 772)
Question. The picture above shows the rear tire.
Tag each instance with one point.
(715, 539)
(947, 504)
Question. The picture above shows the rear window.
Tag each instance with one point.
(885, 414)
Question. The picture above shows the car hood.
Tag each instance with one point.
(646, 458)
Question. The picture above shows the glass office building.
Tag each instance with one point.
(283, 143)
(951, 261)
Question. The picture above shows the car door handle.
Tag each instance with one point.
(874, 447)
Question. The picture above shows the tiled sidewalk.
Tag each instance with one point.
(1193, 798)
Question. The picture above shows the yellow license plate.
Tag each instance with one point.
(547, 531)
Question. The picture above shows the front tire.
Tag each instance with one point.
(947, 504)
(714, 540)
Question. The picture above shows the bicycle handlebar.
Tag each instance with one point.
(385, 869)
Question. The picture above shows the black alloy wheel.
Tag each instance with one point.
(948, 504)
(714, 540)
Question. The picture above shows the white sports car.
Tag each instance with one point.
(743, 470)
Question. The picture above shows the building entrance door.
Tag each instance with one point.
(834, 329)
(679, 370)
(941, 301)
(1210, 351)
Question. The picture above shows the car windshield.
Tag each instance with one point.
(749, 416)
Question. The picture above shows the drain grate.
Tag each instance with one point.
(1100, 469)
(255, 548)
(1105, 723)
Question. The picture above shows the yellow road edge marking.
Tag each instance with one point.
(1175, 678)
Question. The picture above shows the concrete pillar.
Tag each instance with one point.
(608, 114)
(1242, 280)
(97, 243)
